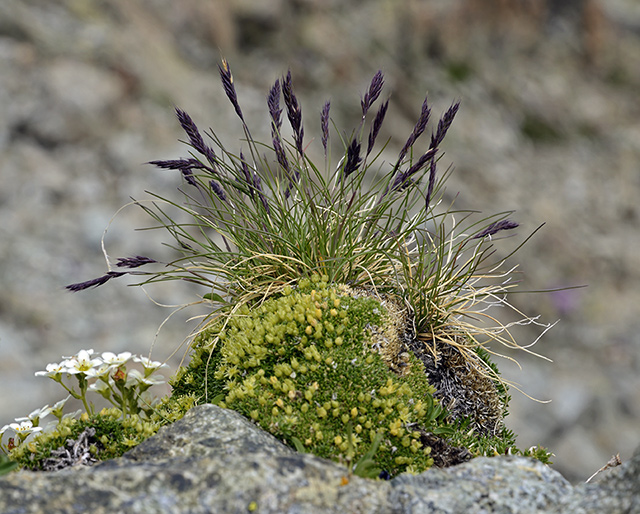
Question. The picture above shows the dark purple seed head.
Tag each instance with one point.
(417, 131)
(432, 181)
(218, 190)
(377, 123)
(402, 178)
(177, 164)
(81, 286)
(353, 159)
(229, 87)
(495, 228)
(273, 102)
(195, 138)
(281, 154)
(324, 125)
(444, 124)
(186, 167)
(375, 88)
(188, 176)
(134, 262)
(294, 112)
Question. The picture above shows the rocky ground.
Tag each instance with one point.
(548, 127)
(215, 460)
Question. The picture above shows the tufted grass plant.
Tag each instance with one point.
(251, 222)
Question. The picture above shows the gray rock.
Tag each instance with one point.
(215, 460)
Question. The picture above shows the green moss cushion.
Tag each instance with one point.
(309, 367)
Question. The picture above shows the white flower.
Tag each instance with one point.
(148, 399)
(52, 370)
(2, 431)
(88, 352)
(81, 362)
(36, 415)
(135, 377)
(50, 427)
(114, 361)
(72, 415)
(99, 371)
(60, 404)
(56, 410)
(100, 387)
(24, 429)
(148, 364)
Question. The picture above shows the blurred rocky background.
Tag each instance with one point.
(549, 126)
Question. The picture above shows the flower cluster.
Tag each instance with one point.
(26, 428)
(106, 375)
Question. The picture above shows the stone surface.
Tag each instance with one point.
(548, 126)
(214, 460)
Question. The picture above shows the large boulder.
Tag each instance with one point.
(214, 460)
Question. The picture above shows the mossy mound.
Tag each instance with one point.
(333, 371)
(311, 368)
(103, 436)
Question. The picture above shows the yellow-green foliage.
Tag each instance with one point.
(170, 409)
(302, 366)
(113, 437)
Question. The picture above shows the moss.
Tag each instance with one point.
(308, 366)
(502, 443)
(110, 437)
(500, 387)
(328, 368)
(172, 408)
